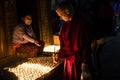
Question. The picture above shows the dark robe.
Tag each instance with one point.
(75, 47)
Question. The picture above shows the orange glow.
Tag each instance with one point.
(33, 68)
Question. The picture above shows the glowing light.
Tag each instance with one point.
(34, 68)
(51, 48)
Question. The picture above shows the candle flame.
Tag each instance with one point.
(32, 69)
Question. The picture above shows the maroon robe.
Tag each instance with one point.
(75, 47)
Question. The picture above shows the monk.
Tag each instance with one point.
(75, 42)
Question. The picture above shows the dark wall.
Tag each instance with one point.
(23, 6)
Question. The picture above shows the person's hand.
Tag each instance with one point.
(83, 66)
(37, 43)
(56, 58)
(85, 72)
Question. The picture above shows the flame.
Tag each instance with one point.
(32, 69)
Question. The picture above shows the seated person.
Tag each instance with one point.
(24, 38)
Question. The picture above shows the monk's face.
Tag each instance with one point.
(27, 19)
(62, 15)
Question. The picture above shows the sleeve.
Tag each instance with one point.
(28, 38)
(62, 50)
(22, 33)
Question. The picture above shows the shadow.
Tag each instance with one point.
(55, 74)
(6, 75)
(15, 63)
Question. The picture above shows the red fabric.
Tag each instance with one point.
(14, 46)
(28, 48)
(75, 47)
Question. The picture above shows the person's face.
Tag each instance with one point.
(62, 15)
(27, 19)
